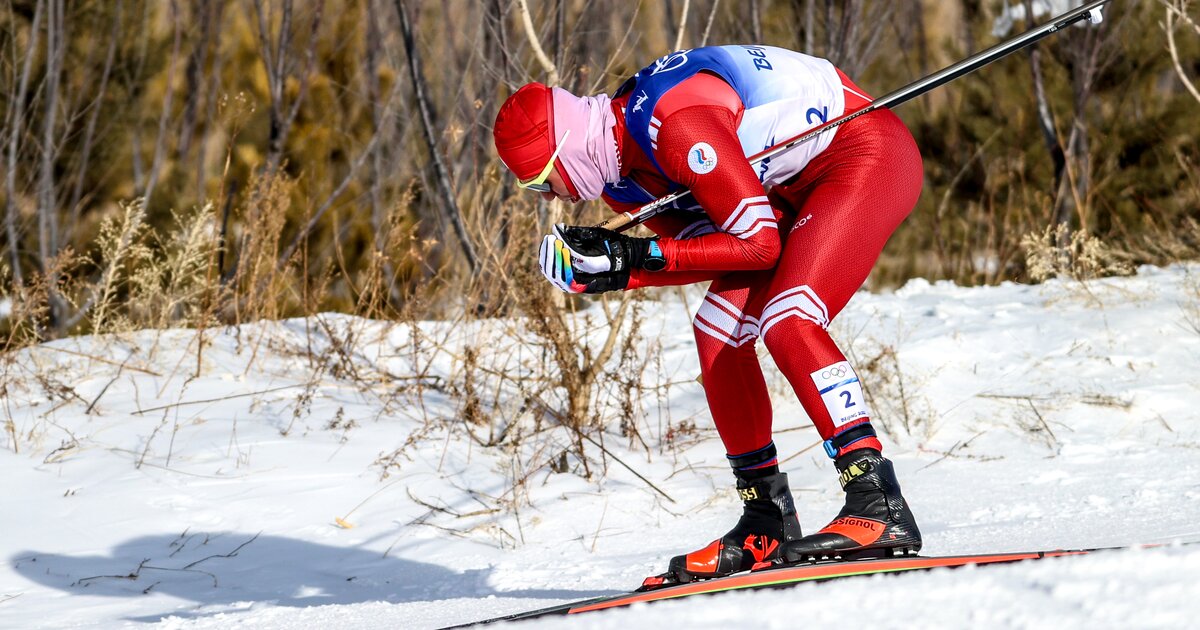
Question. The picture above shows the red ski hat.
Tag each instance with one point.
(524, 132)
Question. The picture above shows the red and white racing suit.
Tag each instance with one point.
(784, 259)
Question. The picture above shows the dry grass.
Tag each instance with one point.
(539, 376)
(1057, 252)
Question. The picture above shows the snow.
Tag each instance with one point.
(148, 486)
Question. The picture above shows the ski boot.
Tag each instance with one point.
(875, 522)
(768, 520)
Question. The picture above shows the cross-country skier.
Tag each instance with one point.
(785, 243)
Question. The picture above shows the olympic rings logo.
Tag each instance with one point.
(836, 372)
(666, 63)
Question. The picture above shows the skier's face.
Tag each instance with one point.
(558, 189)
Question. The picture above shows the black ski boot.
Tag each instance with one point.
(768, 520)
(875, 522)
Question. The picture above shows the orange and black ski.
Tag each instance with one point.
(785, 576)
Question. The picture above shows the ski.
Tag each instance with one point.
(786, 576)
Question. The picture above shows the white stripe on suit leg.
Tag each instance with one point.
(804, 288)
(719, 318)
(800, 302)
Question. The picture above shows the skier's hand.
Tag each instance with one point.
(597, 250)
(559, 267)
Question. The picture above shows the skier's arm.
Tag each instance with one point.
(668, 226)
(747, 235)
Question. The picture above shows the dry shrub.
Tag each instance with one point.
(895, 392)
(1162, 244)
(398, 254)
(148, 279)
(30, 303)
(1056, 252)
(536, 367)
(261, 287)
(176, 285)
(122, 251)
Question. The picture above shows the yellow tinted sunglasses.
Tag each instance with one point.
(539, 183)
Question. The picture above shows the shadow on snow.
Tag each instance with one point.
(219, 570)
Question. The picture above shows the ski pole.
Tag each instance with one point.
(1090, 12)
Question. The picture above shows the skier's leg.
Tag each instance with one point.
(726, 327)
(848, 203)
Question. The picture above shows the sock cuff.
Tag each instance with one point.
(760, 458)
(854, 437)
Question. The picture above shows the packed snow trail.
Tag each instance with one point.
(1019, 417)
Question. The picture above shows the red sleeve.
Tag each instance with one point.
(639, 279)
(672, 226)
(699, 148)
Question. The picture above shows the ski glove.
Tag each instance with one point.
(595, 260)
(597, 250)
(560, 270)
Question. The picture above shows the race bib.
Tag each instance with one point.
(841, 393)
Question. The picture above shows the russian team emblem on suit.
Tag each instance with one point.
(702, 158)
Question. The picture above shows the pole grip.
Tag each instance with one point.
(619, 223)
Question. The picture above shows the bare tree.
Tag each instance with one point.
(683, 18)
(97, 106)
(1086, 52)
(371, 56)
(208, 14)
(160, 140)
(213, 89)
(712, 14)
(853, 30)
(755, 20)
(445, 186)
(133, 76)
(1044, 117)
(15, 124)
(810, 26)
(280, 60)
(47, 191)
(1176, 13)
(851, 39)
(552, 76)
(913, 37)
(971, 11)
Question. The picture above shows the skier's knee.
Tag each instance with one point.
(796, 310)
(719, 322)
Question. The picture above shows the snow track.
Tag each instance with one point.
(137, 491)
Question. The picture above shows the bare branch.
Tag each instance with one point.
(1044, 118)
(341, 187)
(552, 78)
(810, 26)
(712, 13)
(1169, 27)
(443, 175)
(160, 141)
(94, 116)
(755, 21)
(47, 197)
(17, 117)
(682, 25)
(278, 64)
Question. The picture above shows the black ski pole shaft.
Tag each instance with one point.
(1089, 11)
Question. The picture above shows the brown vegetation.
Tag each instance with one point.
(194, 163)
